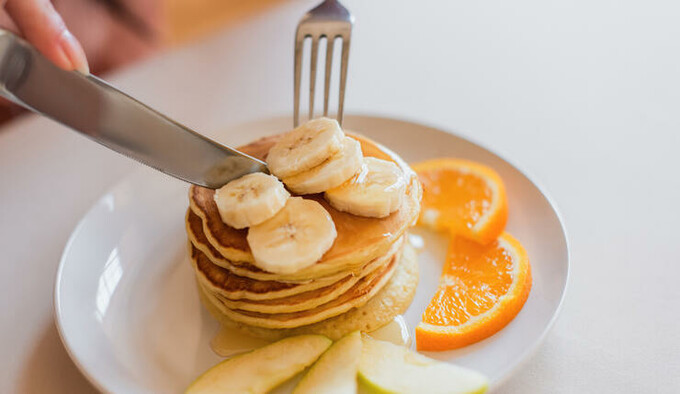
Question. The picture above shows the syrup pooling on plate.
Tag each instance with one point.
(370, 212)
(533, 320)
(397, 332)
(230, 342)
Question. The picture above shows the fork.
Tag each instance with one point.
(329, 20)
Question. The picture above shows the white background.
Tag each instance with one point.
(583, 95)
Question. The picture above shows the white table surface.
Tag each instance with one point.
(582, 95)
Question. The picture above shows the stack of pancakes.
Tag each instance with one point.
(367, 277)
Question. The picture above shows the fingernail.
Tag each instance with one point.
(74, 52)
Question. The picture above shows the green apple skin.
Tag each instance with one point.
(387, 368)
(262, 369)
(336, 371)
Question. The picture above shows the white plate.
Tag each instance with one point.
(126, 302)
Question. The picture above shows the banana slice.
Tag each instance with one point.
(305, 147)
(250, 199)
(331, 173)
(376, 191)
(295, 238)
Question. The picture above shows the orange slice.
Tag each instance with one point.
(463, 197)
(482, 289)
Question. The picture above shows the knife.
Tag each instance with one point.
(110, 117)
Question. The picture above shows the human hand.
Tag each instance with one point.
(43, 27)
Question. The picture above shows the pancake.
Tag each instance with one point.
(356, 296)
(268, 293)
(389, 302)
(359, 239)
(316, 274)
(303, 300)
(231, 278)
(236, 287)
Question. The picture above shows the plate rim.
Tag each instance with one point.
(58, 318)
(531, 350)
(358, 116)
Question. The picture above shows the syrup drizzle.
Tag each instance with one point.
(396, 331)
(229, 342)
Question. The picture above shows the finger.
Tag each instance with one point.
(43, 27)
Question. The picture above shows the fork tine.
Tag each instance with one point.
(330, 43)
(343, 75)
(331, 21)
(299, 45)
(312, 75)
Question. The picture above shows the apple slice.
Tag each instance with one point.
(389, 368)
(336, 370)
(262, 369)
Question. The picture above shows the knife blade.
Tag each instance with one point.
(110, 117)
